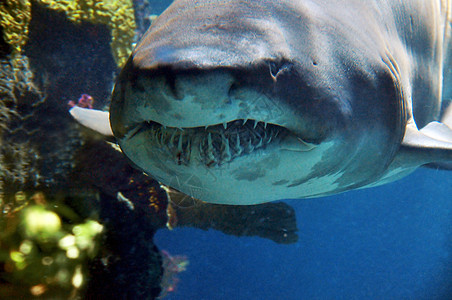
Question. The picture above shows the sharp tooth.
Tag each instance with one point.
(244, 121)
(134, 131)
(226, 150)
(206, 127)
(269, 140)
(156, 137)
(209, 142)
(265, 125)
(297, 145)
(188, 149)
(239, 148)
(250, 146)
(260, 143)
(200, 148)
(225, 125)
(255, 124)
(172, 137)
(179, 144)
(161, 138)
(210, 147)
(308, 146)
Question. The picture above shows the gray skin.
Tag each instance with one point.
(317, 97)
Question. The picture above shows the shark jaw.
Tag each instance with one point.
(248, 162)
(216, 145)
(239, 162)
(225, 138)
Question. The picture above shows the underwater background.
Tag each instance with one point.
(389, 242)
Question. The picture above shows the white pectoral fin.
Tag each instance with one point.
(96, 120)
(430, 145)
(438, 131)
(434, 136)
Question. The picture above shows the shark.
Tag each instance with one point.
(245, 102)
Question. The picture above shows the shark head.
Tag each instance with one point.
(238, 105)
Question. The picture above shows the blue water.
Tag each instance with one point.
(390, 242)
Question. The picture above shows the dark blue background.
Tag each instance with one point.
(390, 242)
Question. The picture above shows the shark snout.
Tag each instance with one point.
(188, 98)
(182, 93)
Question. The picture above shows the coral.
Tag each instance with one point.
(37, 136)
(85, 101)
(15, 16)
(15, 79)
(117, 15)
(45, 249)
(38, 142)
(172, 266)
(18, 158)
(18, 162)
(105, 167)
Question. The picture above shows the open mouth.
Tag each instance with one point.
(214, 144)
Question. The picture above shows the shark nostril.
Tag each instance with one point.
(278, 67)
(274, 69)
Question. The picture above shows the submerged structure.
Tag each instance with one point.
(70, 191)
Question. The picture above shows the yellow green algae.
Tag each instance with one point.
(117, 15)
(16, 159)
(45, 247)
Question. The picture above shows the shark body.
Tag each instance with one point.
(244, 102)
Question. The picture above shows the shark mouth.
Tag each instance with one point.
(212, 145)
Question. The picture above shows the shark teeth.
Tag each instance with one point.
(238, 149)
(219, 146)
(179, 144)
(216, 144)
(225, 149)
